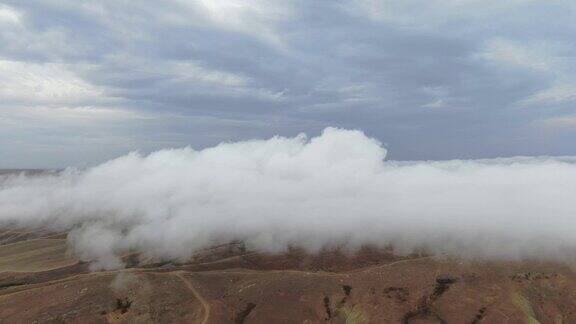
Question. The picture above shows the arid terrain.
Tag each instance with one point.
(39, 283)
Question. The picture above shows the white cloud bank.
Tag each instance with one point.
(332, 189)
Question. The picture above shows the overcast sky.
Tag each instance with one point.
(85, 81)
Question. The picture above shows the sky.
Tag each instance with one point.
(83, 82)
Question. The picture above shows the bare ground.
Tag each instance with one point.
(226, 284)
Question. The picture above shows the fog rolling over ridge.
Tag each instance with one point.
(334, 189)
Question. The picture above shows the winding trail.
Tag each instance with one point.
(37, 285)
(201, 299)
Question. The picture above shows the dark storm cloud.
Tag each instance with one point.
(431, 79)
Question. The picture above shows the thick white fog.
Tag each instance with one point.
(334, 189)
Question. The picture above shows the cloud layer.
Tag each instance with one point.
(331, 190)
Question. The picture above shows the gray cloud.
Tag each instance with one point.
(431, 79)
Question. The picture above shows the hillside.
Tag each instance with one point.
(226, 284)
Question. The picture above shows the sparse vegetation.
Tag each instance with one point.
(524, 305)
(354, 315)
(123, 304)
